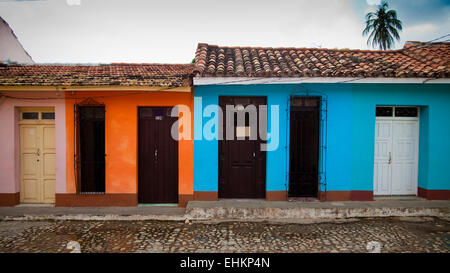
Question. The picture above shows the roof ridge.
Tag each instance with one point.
(95, 64)
(302, 48)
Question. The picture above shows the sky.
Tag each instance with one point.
(168, 31)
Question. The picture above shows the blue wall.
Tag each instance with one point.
(350, 127)
(434, 132)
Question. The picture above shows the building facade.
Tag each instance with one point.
(94, 135)
(262, 123)
(351, 124)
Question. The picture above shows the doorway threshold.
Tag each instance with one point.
(303, 199)
(159, 205)
(26, 205)
(242, 200)
(398, 198)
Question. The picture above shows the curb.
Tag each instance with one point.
(241, 214)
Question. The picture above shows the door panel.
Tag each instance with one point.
(404, 157)
(158, 156)
(49, 191)
(383, 151)
(242, 164)
(37, 156)
(30, 163)
(30, 192)
(304, 149)
(395, 163)
(48, 163)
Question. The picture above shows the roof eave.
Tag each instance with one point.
(63, 88)
(299, 80)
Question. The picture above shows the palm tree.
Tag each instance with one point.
(383, 26)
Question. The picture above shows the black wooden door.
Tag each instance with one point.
(242, 164)
(304, 147)
(158, 156)
(92, 148)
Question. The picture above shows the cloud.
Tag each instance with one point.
(373, 2)
(331, 24)
(420, 29)
(169, 30)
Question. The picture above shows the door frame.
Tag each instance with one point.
(416, 160)
(224, 136)
(39, 121)
(138, 155)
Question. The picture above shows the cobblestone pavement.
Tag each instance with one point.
(413, 234)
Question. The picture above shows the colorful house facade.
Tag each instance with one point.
(75, 135)
(344, 124)
(264, 123)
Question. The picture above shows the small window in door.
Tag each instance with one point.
(406, 111)
(48, 115)
(30, 115)
(383, 111)
(305, 101)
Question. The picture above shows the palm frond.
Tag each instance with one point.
(383, 27)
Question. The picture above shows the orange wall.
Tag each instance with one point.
(121, 137)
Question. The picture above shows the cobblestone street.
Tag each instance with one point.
(413, 234)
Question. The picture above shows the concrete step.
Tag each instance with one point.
(263, 210)
(236, 209)
(162, 213)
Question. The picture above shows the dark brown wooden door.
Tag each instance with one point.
(242, 164)
(304, 147)
(158, 156)
(92, 148)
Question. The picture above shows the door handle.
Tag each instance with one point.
(38, 152)
(156, 153)
(254, 155)
(390, 158)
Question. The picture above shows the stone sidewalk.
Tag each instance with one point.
(231, 209)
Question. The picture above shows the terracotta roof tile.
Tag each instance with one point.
(121, 74)
(414, 60)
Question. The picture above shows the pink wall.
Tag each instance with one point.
(9, 138)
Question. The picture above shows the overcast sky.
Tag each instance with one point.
(167, 31)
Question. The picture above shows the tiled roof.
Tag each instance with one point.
(164, 75)
(431, 54)
(412, 61)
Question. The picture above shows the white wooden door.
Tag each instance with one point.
(404, 171)
(383, 158)
(395, 162)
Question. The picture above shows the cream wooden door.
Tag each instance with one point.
(37, 157)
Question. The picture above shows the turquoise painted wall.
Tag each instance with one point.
(350, 128)
(434, 132)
